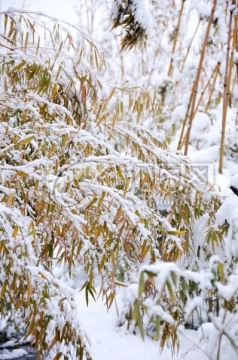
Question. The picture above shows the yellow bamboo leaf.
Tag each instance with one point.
(30, 329)
(52, 148)
(15, 231)
(26, 140)
(221, 271)
(176, 232)
(54, 90)
(112, 93)
(19, 303)
(29, 289)
(3, 289)
(5, 22)
(64, 139)
(144, 250)
(10, 199)
(58, 356)
(118, 215)
(120, 173)
(26, 40)
(36, 185)
(54, 341)
(127, 186)
(19, 66)
(22, 173)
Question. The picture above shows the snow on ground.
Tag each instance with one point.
(15, 354)
(108, 341)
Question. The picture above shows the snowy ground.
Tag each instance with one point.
(108, 341)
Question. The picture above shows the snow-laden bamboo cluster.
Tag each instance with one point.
(91, 190)
(82, 188)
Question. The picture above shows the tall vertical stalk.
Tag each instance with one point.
(226, 88)
(236, 47)
(176, 32)
(181, 138)
(199, 70)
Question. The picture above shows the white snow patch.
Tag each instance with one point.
(6, 354)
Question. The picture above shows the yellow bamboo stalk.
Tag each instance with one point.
(195, 88)
(180, 144)
(226, 88)
(236, 47)
(176, 32)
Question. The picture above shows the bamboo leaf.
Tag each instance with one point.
(27, 140)
(141, 284)
(19, 66)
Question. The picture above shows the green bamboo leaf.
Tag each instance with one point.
(176, 232)
(137, 317)
(141, 284)
(19, 66)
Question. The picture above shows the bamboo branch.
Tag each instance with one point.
(206, 86)
(190, 45)
(213, 87)
(180, 144)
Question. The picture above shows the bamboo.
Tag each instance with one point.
(170, 71)
(195, 88)
(205, 88)
(226, 90)
(236, 47)
(213, 87)
(190, 45)
(180, 144)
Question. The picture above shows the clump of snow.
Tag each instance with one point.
(179, 113)
(14, 354)
(204, 9)
(234, 181)
(201, 122)
(228, 211)
(140, 10)
(143, 15)
(208, 155)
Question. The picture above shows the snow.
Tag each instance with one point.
(14, 354)
(204, 9)
(201, 123)
(141, 11)
(228, 211)
(110, 341)
(143, 15)
(234, 181)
